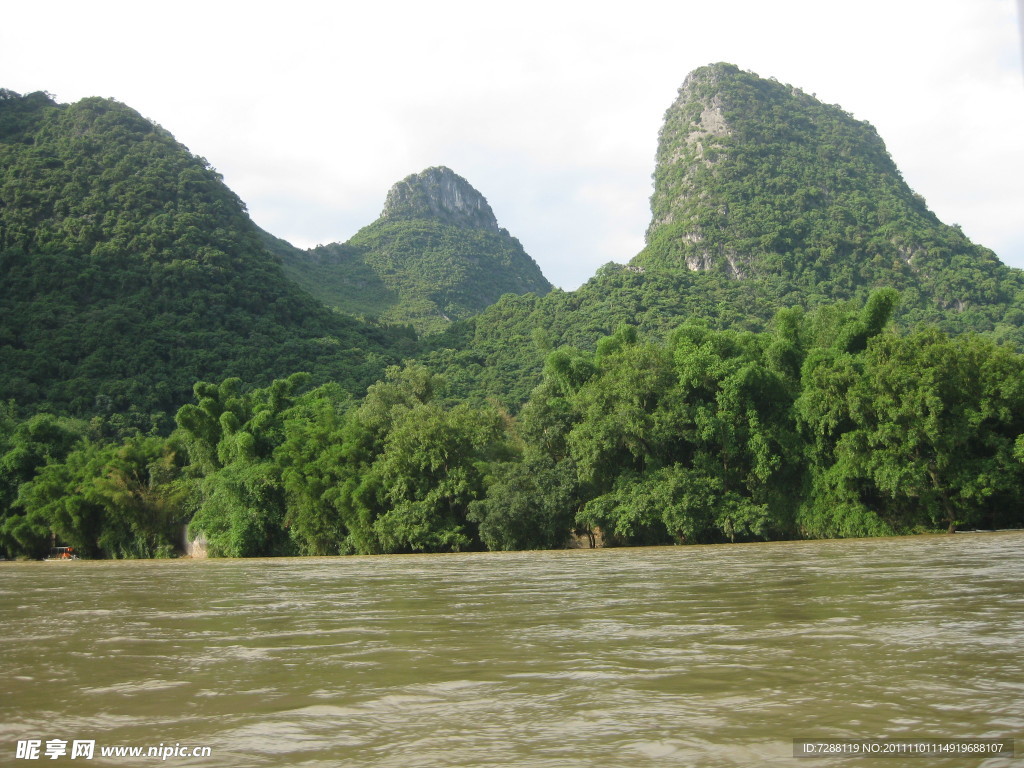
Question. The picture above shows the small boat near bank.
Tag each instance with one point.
(61, 554)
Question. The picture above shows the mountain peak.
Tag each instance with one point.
(435, 255)
(752, 173)
(441, 194)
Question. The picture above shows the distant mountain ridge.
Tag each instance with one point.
(753, 373)
(128, 269)
(436, 254)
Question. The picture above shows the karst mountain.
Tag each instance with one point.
(435, 254)
(128, 270)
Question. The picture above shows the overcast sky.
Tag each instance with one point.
(312, 110)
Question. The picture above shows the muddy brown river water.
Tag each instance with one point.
(680, 656)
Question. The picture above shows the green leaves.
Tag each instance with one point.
(827, 425)
(917, 431)
(114, 500)
(691, 440)
(237, 486)
(128, 270)
(424, 473)
(309, 474)
(435, 256)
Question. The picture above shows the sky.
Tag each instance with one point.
(312, 110)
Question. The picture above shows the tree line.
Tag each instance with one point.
(827, 424)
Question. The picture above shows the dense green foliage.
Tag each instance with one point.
(62, 481)
(128, 270)
(500, 352)
(760, 181)
(279, 474)
(764, 198)
(913, 433)
(339, 277)
(824, 425)
(751, 375)
(435, 255)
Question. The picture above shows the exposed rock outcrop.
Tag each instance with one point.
(442, 195)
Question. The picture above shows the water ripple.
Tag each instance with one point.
(683, 656)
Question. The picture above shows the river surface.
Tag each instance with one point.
(677, 656)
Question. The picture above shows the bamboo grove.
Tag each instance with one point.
(828, 424)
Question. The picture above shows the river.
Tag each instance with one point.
(674, 656)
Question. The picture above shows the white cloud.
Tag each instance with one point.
(312, 110)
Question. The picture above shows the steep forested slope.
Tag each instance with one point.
(128, 270)
(756, 179)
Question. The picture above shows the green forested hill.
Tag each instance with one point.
(338, 276)
(435, 255)
(764, 198)
(128, 271)
(500, 352)
(756, 179)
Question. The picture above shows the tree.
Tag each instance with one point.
(27, 448)
(431, 470)
(941, 416)
(314, 462)
(692, 439)
(914, 432)
(236, 486)
(107, 500)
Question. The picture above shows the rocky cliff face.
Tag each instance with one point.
(441, 195)
(690, 141)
